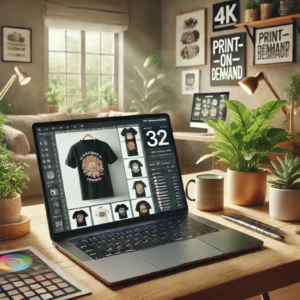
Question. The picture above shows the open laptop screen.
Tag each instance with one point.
(107, 170)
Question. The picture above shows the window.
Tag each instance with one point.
(80, 63)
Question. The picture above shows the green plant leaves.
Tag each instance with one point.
(239, 113)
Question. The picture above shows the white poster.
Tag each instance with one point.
(191, 38)
(190, 82)
(274, 45)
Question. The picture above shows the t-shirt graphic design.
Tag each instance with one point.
(80, 216)
(139, 187)
(143, 208)
(121, 209)
(135, 166)
(91, 157)
(102, 212)
(129, 134)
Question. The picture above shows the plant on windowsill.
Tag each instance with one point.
(244, 145)
(251, 11)
(53, 98)
(285, 190)
(13, 179)
(108, 97)
(152, 90)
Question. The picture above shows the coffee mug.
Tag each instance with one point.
(209, 192)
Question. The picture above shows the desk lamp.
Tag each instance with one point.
(250, 84)
(22, 77)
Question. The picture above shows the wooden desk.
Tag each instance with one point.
(237, 277)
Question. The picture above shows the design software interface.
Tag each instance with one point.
(101, 172)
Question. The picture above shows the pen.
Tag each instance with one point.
(257, 226)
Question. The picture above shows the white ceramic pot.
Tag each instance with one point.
(246, 188)
(10, 210)
(284, 204)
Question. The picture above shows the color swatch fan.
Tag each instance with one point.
(27, 274)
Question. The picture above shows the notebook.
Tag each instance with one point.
(115, 200)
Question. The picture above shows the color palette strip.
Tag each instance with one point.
(26, 274)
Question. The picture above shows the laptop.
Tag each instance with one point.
(115, 200)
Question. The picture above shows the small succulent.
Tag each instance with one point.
(251, 4)
(287, 173)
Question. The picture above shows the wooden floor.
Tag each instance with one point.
(291, 292)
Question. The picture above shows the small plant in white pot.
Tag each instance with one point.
(13, 178)
(285, 190)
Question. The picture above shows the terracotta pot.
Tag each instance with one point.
(108, 108)
(246, 188)
(53, 108)
(10, 210)
(251, 15)
(266, 11)
(284, 204)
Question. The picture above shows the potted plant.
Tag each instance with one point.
(244, 144)
(12, 181)
(152, 89)
(285, 190)
(108, 98)
(266, 9)
(252, 11)
(53, 98)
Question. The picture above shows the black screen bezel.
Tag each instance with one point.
(91, 229)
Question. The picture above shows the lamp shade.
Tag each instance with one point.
(250, 83)
(23, 77)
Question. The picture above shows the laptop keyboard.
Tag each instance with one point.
(140, 237)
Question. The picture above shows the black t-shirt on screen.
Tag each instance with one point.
(129, 134)
(143, 208)
(121, 209)
(91, 157)
(80, 216)
(139, 187)
(135, 166)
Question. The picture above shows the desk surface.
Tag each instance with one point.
(194, 136)
(237, 277)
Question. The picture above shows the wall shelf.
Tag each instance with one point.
(270, 22)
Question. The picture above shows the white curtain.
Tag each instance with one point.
(95, 15)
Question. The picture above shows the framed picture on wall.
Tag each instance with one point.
(16, 44)
(275, 45)
(190, 82)
(190, 38)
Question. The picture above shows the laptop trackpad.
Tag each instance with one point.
(178, 253)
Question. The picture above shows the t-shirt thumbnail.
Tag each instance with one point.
(139, 187)
(102, 212)
(91, 157)
(80, 216)
(121, 209)
(143, 207)
(129, 133)
(135, 166)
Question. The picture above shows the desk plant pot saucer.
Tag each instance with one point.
(11, 231)
(284, 204)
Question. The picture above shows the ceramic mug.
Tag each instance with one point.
(209, 192)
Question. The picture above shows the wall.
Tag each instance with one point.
(19, 13)
(142, 39)
(278, 75)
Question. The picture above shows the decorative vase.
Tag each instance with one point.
(266, 11)
(53, 108)
(10, 210)
(286, 7)
(251, 15)
(284, 204)
(246, 188)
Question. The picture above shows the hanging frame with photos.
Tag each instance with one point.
(16, 44)
(190, 82)
(190, 35)
(209, 106)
